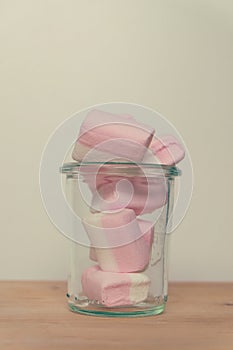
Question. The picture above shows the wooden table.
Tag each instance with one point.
(34, 315)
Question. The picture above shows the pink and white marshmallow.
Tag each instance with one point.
(167, 150)
(104, 136)
(114, 289)
(113, 229)
(131, 257)
(145, 195)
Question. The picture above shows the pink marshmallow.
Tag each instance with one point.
(112, 136)
(108, 230)
(131, 257)
(96, 176)
(114, 289)
(167, 150)
(146, 195)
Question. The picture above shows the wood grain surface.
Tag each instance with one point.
(34, 315)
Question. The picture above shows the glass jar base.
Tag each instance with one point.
(119, 312)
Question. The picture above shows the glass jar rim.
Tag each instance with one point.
(148, 169)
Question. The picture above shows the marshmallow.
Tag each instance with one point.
(112, 136)
(114, 289)
(108, 230)
(147, 194)
(95, 176)
(131, 257)
(166, 149)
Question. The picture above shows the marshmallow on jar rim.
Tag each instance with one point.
(112, 135)
(114, 289)
(132, 257)
(146, 195)
(165, 150)
(112, 229)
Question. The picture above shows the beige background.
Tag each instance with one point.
(58, 57)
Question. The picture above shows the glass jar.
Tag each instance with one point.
(119, 245)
